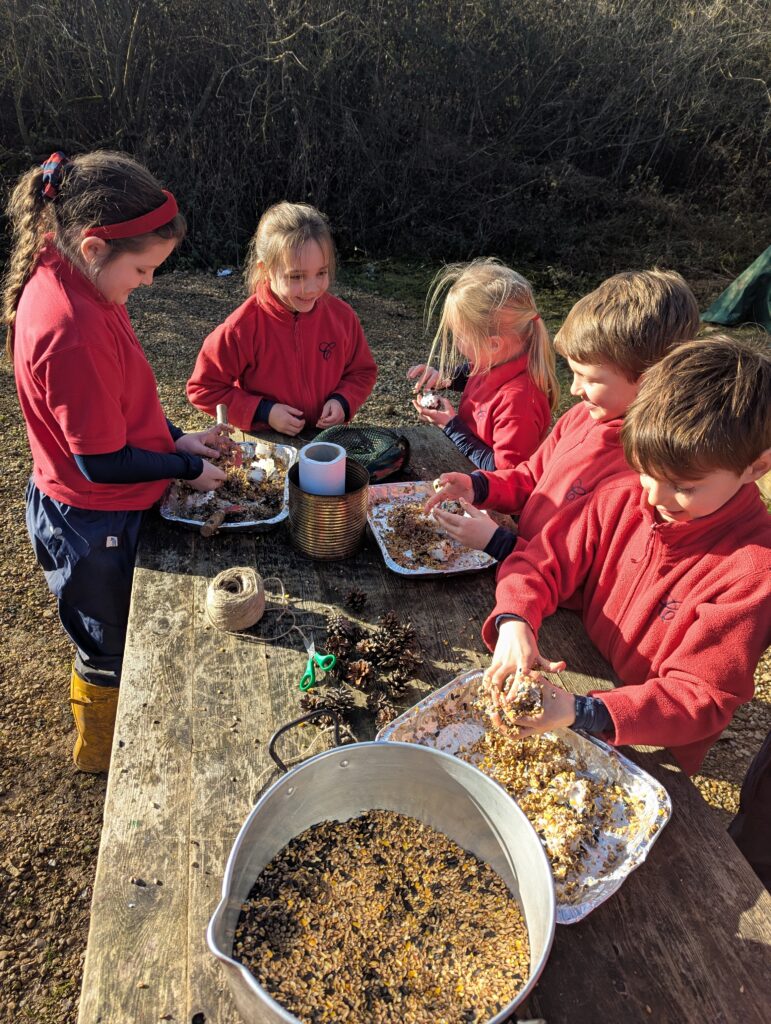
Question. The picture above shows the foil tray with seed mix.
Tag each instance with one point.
(264, 505)
(413, 544)
(596, 813)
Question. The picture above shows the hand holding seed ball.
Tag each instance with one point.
(439, 416)
(450, 485)
(516, 653)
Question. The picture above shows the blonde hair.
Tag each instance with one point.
(485, 299)
(630, 321)
(284, 229)
(96, 189)
(705, 406)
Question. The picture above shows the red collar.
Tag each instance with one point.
(265, 297)
(710, 527)
(68, 273)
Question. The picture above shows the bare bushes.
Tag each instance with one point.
(580, 132)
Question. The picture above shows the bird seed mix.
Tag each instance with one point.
(381, 920)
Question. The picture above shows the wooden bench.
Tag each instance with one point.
(687, 938)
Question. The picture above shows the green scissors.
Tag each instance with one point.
(323, 661)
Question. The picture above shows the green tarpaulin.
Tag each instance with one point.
(747, 300)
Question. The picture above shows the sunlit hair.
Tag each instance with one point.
(705, 406)
(630, 321)
(489, 309)
(96, 189)
(282, 231)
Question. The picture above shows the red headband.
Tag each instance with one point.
(139, 225)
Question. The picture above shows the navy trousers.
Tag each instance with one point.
(88, 560)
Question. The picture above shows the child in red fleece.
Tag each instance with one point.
(610, 337)
(494, 347)
(292, 354)
(673, 569)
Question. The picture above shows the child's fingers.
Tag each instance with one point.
(551, 666)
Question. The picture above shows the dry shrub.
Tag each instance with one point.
(580, 132)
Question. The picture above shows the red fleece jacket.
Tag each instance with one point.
(576, 456)
(682, 611)
(264, 350)
(505, 409)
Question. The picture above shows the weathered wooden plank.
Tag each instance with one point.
(137, 933)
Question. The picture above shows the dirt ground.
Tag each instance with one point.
(50, 815)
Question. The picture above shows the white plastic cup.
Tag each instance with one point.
(322, 468)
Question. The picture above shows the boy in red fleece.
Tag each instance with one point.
(673, 570)
(292, 355)
(610, 337)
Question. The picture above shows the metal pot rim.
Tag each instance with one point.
(284, 781)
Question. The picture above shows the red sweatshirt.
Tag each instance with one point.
(576, 456)
(85, 386)
(506, 410)
(682, 611)
(264, 350)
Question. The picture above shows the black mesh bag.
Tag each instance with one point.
(383, 452)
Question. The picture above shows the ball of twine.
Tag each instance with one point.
(235, 598)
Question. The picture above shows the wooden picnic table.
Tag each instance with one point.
(686, 939)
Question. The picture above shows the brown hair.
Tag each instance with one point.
(705, 406)
(630, 321)
(283, 229)
(96, 189)
(484, 299)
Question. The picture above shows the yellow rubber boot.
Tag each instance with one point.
(93, 708)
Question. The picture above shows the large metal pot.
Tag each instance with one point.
(445, 793)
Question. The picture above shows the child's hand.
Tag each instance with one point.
(450, 485)
(516, 650)
(439, 417)
(210, 479)
(559, 711)
(205, 442)
(331, 414)
(428, 377)
(473, 529)
(286, 419)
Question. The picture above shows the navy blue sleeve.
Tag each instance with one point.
(344, 403)
(501, 544)
(131, 465)
(460, 377)
(593, 717)
(175, 432)
(470, 445)
(263, 411)
(481, 487)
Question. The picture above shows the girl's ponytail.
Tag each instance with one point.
(481, 299)
(541, 362)
(100, 193)
(30, 219)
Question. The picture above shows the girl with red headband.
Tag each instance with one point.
(87, 232)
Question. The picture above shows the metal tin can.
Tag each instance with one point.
(328, 527)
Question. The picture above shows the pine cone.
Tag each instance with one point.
(360, 674)
(337, 698)
(384, 711)
(356, 599)
(342, 635)
(395, 684)
(368, 649)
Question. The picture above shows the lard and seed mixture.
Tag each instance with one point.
(416, 540)
(583, 817)
(382, 920)
(255, 485)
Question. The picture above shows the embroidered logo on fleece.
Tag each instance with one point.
(325, 348)
(576, 490)
(667, 608)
